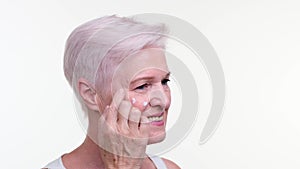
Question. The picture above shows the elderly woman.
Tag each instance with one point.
(117, 69)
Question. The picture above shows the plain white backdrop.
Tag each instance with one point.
(257, 43)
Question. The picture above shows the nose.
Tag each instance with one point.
(159, 97)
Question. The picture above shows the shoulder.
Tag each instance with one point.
(170, 164)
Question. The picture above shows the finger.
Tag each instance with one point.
(124, 109)
(144, 126)
(112, 116)
(134, 119)
(118, 97)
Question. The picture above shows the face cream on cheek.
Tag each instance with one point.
(133, 100)
(145, 104)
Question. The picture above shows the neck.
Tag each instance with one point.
(89, 146)
(87, 155)
(92, 130)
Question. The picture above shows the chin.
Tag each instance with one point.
(156, 138)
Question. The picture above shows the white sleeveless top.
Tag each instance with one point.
(58, 164)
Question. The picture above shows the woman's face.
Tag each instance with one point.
(145, 76)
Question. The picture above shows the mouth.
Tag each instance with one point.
(157, 120)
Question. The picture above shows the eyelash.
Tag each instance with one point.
(165, 81)
(141, 87)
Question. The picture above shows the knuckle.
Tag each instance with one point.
(125, 106)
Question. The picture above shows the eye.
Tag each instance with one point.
(165, 81)
(142, 87)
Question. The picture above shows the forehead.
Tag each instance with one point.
(152, 58)
(133, 65)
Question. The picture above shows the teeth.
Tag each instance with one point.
(155, 118)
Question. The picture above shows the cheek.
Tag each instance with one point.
(139, 101)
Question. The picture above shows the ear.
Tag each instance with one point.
(88, 94)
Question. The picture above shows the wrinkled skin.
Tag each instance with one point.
(125, 134)
(124, 128)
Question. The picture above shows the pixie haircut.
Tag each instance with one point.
(95, 49)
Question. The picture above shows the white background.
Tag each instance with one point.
(258, 45)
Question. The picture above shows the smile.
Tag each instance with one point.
(156, 118)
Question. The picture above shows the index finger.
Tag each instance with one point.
(116, 101)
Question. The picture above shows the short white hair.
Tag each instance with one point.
(94, 49)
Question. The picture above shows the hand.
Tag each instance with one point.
(122, 134)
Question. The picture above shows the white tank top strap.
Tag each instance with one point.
(56, 164)
(158, 162)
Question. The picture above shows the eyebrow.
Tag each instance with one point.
(148, 78)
